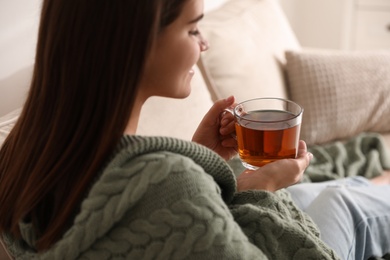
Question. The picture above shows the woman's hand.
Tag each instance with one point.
(216, 129)
(276, 175)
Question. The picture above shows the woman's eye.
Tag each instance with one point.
(195, 32)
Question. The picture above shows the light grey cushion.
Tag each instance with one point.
(342, 93)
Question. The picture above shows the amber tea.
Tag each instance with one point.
(267, 129)
(260, 146)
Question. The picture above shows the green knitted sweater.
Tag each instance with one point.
(164, 198)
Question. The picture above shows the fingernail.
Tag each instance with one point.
(310, 155)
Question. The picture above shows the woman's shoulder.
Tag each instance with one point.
(141, 165)
(158, 157)
(148, 170)
(154, 158)
(131, 146)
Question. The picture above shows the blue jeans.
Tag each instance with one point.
(352, 214)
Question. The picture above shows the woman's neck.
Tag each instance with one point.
(132, 124)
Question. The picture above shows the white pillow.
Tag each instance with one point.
(7, 122)
(247, 40)
(342, 93)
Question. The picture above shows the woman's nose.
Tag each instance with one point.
(204, 44)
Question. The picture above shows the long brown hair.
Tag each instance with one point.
(89, 59)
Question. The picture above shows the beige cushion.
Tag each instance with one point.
(7, 122)
(342, 93)
(247, 43)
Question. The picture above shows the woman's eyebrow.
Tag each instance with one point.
(197, 19)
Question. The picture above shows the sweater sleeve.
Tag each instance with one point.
(179, 214)
(272, 222)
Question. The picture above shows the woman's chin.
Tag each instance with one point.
(186, 89)
(185, 93)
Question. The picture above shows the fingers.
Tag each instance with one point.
(304, 157)
(302, 151)
(229, 143)
(302, 148)
(277, 175)
(227, 102)
(227, 118)
(227, 124)
(298, 166)
(220, 106)
(227, 131)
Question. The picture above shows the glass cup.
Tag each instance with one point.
(267, 129)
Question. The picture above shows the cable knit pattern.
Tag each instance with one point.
(272, 220)
(164, 198)
(364, 155)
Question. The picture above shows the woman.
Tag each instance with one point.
(77, 182)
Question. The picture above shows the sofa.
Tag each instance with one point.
(254, 53)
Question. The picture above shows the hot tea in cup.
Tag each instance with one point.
(267, 129)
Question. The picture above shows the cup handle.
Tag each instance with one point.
(230, 110)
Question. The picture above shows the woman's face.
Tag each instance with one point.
(169, 68)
